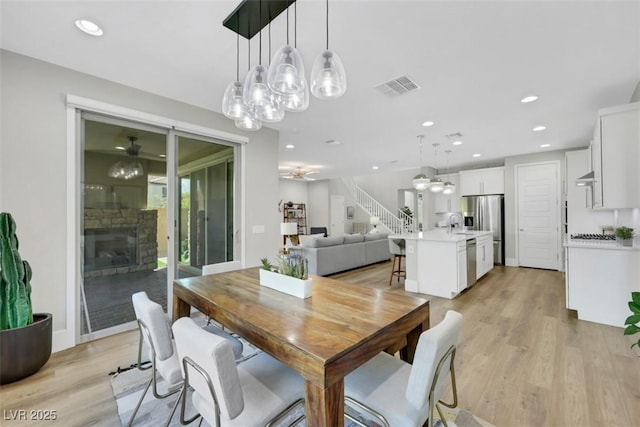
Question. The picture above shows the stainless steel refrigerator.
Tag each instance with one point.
(486, 213)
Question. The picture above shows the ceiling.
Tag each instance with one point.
(473, 61)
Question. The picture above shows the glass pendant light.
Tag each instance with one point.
(286, 72)
(248, 122)
(328, 79)
(273, 111)
(436, 184)
(297, 102)
(449, 187)
(256, 91)
(233, 103)
(233, 106)
(257, 94)
(420, 182)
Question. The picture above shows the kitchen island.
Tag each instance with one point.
(438, 262)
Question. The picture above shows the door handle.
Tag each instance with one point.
(522, 229)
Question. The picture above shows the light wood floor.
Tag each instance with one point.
(524, 360)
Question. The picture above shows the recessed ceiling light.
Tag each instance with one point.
(375, 168)
(476, 155)
(457, 142)
(289, 146)
(120, 148)
(89, 27)
(529, 98)
(545, 145)
(333, 142)
(162, 155)
(428, 123)
(539, 128)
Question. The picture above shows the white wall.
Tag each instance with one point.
(318, 208)
(293, 191)
(33, 167)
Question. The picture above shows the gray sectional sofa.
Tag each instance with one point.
(328, 255)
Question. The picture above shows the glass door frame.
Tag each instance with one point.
(75, 105)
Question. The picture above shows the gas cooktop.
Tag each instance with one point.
(591, 236)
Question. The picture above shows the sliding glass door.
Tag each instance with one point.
(123, 230)
(206, 211)
(144, 188)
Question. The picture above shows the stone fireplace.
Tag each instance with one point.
(119, 241)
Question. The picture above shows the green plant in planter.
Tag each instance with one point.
(294, 266)
(633, 322)
(15, 279)
(624, 233)
(266, 265)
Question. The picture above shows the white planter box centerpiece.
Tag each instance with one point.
(289, 285)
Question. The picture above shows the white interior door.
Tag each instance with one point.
(336, 214)
(538, 219)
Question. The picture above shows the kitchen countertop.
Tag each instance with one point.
(441, 235)
(598, 244)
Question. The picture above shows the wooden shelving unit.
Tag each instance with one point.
(296, 213)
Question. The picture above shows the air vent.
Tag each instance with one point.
(456, 135)
(398, 86)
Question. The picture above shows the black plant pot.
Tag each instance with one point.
(23, 351)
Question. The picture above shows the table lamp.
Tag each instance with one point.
(374, 220)
(290, 231)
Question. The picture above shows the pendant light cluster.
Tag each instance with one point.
(267, 93)
(421, 182)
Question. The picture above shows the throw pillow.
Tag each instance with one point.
(353, 238)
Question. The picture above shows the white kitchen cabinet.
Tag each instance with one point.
(448, 202)
(482, 181)
(600, 281)
(618, 146)
(484, 255)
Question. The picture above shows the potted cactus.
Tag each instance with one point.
(25, 338)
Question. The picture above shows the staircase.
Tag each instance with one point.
(396, 224)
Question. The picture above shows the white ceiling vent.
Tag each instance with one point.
(398, 86)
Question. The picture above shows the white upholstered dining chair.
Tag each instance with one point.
(400, 394)
(155, 336)
(256, 392)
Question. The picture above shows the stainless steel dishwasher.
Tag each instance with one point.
(471, 262)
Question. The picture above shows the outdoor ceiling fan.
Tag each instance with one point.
(299, 175)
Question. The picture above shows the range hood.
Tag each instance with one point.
(587, 179)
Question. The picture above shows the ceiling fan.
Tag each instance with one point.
(299, 175)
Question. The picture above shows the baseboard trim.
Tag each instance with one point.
(62, 340)
(411, 285)
(511, 262)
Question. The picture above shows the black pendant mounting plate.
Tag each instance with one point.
(247, 20)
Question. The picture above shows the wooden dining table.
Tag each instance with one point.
(323, 337)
